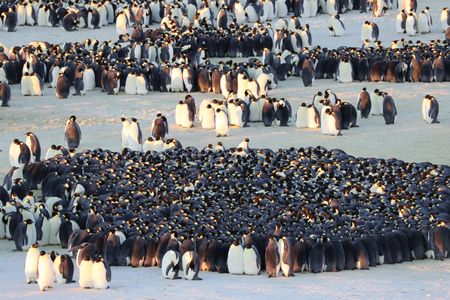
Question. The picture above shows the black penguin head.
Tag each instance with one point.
(73, 118)
(42, 253)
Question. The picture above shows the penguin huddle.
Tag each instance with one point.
(46, 269)
(271, 213)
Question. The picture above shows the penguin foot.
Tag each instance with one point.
(197, 278)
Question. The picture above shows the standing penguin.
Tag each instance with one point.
(268, 113)
(62, 85)
(19, 154)
(312, 117)
(5, 94)
(286, 257)
(34, 145)
(85, 273)
(46, 276)
(302, 115)
(389, 110)
(400, 22)
(364, 103)
(411, 24)
(78, 83)
(251, 257)
(122, 23)
(160, 127)
(31, 264)
(308, 72)
(444, 17)
(182, 115)
(65, 268)
(336, 26)
(317, 258)
(10, 20)
(430, 109)
(235, 258)
(272, 258)
(101, 274)
(134, 136)
(72, 133)
(221, 120)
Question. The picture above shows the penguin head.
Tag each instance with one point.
(42, 253)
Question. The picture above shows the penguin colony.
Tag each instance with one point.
(237, 210)
(176, 56)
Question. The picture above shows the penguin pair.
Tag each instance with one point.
(131, 134)
(94, 273)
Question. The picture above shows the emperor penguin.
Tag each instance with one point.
(85, 273)
(62, 85)
(302, 115)
(25, 85)
(160, 126)
(336, 26)
(430, 109)
(182, 115)
(411, 24)
(389, 110)
(134, 136)
(364, 103)
(5, 94)
(369, 31)
(235, 258)
(445, 18)
(423, 22)
(312, 117)
(208, 117)
(221, 120)
(64, 268)
(400, 22)
(332, 119)
(286, 257)
(78, 83)
(251, 256)
(10, 20)
(89, 78)
(191, 265)
(125, 132)
(70, 22)
(34, 145)
(72, 133)
(272, 257)
(101, 274)
(345, 71)
(130, 83)
(43, 14)
(46, 276)
(141, 84)
(171, 264)
(268, 112)
(31, 264)
(30, 14)
(122, 23)
(378, 7)
(37, 87)
(176, 79)
(19, 154)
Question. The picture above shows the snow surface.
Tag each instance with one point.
(410, 139)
